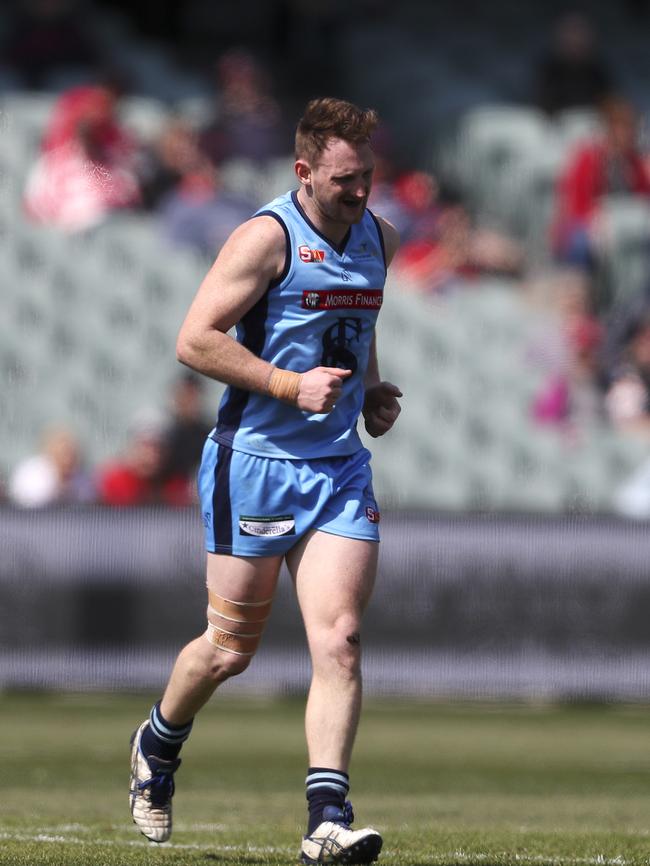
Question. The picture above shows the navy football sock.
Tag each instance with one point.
(161, 738)
(324, 788)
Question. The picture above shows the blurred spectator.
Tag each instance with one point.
(571, 397)
(87, 163)
(139, 477)
(628, 396)
(620, 322)
(416, 192)
(628, 405)
(187, 428)
(608, 165)
(573, 74)
(456, 250)
(183, 187)
(408, 199)
(249, 123)
(199, 213)
(173, 158)
(46, 38)
(408, 202)
(54, 476)
(383, 197)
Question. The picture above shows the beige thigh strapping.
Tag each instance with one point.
(236, 626)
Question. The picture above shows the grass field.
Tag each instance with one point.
(457, 784)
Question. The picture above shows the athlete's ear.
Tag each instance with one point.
(303, 170)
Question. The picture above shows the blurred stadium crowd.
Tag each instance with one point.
(514, 159)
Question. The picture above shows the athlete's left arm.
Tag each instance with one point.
(391, 239)
(381, 407)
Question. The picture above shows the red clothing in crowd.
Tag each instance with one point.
(121, 486)
(585, 182)
(592, 174)
(86, 167)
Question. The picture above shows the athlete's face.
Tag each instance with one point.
(339, 183)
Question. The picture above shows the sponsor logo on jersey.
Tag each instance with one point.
(267, 527)
(311, 300)
(372, 514)
(308, 255)
(342, 299)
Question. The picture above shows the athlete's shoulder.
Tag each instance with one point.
(390, 237)
(279, 206)
(262, 232)
(256, 246)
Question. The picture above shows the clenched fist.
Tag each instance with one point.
(320, 388)
(380, 408)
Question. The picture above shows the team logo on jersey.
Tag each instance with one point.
(372, 514)
(342, 299)
(338, 340)
(267, 527)
(308, 255)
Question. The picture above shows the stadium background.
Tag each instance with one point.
(510, 566)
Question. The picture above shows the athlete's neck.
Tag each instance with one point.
(333, 230)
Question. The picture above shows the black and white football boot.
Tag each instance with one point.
(334, 841)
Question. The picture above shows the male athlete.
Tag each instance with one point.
(284, 475)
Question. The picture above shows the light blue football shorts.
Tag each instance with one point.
(261, 506)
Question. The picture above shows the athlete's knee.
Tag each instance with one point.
(234, 632)
(222, 666)
(206, 664)
(339, 647)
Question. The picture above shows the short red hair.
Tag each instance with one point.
(326, 118)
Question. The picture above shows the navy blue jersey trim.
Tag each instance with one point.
(381, 238)
(287, 240)
(221, 505)
(338, 248)
(253, 324)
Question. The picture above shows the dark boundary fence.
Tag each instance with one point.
(470, 606)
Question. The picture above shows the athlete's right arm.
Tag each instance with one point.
(250, 259)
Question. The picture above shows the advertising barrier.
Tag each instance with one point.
(470, 606)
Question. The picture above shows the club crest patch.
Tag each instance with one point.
(267, 527)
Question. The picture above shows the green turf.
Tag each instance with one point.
(460, 784)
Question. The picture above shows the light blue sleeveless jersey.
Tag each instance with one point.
(320, 312)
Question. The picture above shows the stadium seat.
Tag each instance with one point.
(492, 141)
(145, 117)
(624, 247)
(240, 177)
(26, 117)
(573, 125)
(279, 177)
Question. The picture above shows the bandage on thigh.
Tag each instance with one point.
(239, 624)
(239, 611)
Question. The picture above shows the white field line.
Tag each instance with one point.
(136, 843)
(600, 860)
